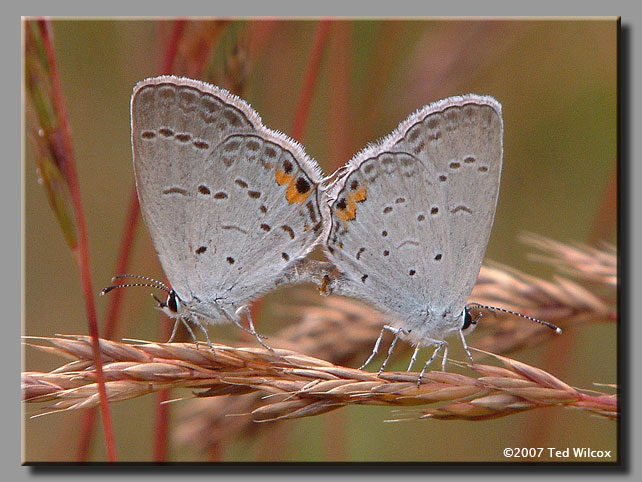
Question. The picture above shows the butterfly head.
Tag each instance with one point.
(172, 306)
(468, 321)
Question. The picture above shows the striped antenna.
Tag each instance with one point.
(152, 284)
(151, 280)
(553, 327)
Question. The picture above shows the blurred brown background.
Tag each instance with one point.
(557, 82)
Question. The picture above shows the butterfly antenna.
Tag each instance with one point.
(553, 327)
(162, 287)
(159, 284)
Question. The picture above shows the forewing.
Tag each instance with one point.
(411, 217)
(211, 179)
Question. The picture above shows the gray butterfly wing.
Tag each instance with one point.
(411, 218)
(229, 203)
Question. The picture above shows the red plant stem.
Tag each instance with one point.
(122, 262)
(113, 312)
(260, 34)
(310, 78)
(161, 427)
(339, 108)
(124, 255)
(340, 129)
(161, 421)
(172, 47)
(334, 437)
(378, 75)
(127, 238)
(300, 119)
(605, 219)
(303, 107)
(214, 453)
(556, 359)
(562, 350)
(81, 252)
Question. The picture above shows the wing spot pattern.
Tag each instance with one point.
(234, 228)
(461, 207)
(175, 190)
(298, 188)
(288, 230)
(346, 208)
(311, 212)
(201, 145)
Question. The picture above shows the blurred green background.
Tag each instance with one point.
(557, 82)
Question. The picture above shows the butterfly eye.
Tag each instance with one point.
(172, 302)
(469, 322)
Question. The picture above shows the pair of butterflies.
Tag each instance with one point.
(233, 208)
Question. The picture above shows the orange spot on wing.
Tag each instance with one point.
(350, 211)
(345, 215)
(359, 196)
(292, 194)
(283, 178)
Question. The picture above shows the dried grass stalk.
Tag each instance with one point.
(298, 385)
(342, 331)
(597, 265)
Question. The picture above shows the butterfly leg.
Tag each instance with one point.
(397, 332)
(251, 331)
(375, 349)
(183, 320)
(207, 338)
(414, 357)
(463, 341)
(441, 345)
(174, 330)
